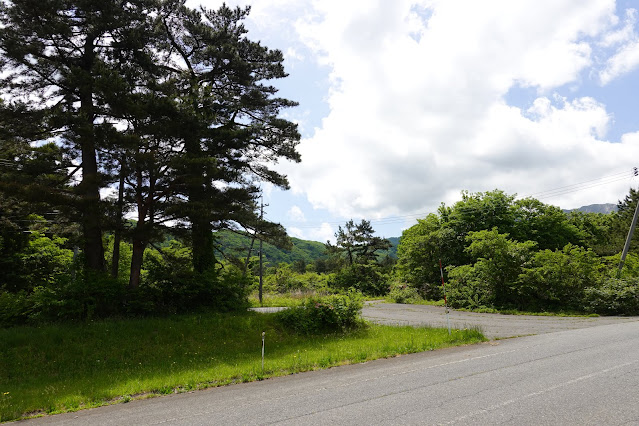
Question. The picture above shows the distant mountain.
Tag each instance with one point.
(392, 252)
(309, 251)
(238, 245)
(596, 208)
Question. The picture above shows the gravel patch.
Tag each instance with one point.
(494, 326)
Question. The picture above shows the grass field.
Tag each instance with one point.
(66, 367)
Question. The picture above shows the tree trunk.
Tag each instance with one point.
(140, 238)
(89, 188)
(136, 262)
(202, 236)
(199, 206)
(115, 262)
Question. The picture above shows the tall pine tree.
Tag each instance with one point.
(59, 57)
(228, 118)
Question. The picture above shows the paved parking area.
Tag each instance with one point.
(492, 325)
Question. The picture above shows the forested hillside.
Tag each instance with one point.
(236, 245)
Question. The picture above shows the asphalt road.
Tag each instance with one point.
(587, 376)
(492, 325)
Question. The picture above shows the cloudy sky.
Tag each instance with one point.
(405, 103)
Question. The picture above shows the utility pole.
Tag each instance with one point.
(626, 246)
(261, 217)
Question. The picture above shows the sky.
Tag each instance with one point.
(405, 103)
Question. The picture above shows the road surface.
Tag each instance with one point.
(492, 325)
(587, 376)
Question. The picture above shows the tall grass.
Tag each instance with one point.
(66, 367)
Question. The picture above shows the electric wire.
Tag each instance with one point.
(627, 174)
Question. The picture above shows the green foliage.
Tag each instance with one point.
(283, 279)
(499, 263)
(14, 308)
(546, 225)
(87, 296)
(614, 297)
(402, 293)
(488, 245)
(557, 279)
(467, 289)
(41, 261)
(602, 233)
(356, 243)
(324, 314)
(630, 266)
(365, 277)
(171, 285)
(232, 244)
(91, 295)
(420, 249)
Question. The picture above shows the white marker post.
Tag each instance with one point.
(263, 335)
(441, 271)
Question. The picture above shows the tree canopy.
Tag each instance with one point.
(167, 105)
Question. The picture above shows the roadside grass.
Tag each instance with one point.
(419, 302)
(289, 299)
(67, 367)
(503, 311)
(279, 299)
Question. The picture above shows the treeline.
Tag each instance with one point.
(497, 254)
(502, 253)
(146, 110)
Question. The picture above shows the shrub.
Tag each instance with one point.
(630, 267)
(402, 293)
(467, 289)
(171, 284)
(324, 314)
(614, 297)
(86, 296)
(557, 279)
(364, 277)
(14, 308)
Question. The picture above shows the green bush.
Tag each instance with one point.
(283, 279)
(557, 279)
(171, 285)
(614, 297)
(630, 267)
(364, 277)
(41, 262)
(468, 289)
(14, 308)
(403, 293)
(86, 296)
(324, 314)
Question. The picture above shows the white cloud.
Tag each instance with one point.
(414, 120)
(324, 233)
(295, 214)
(624, 61)
(417, 99)
(624, 34)
(626, 57)
(296, 232)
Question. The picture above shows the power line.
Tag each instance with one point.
(627, 174)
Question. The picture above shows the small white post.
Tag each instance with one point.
(263, 335)
(441, 271)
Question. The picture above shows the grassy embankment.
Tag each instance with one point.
(65, 367)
